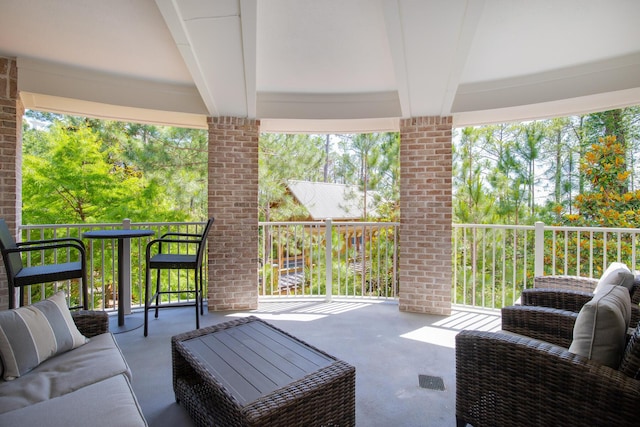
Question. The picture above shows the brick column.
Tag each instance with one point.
(233, 202)
(11, 111)
(425, 215)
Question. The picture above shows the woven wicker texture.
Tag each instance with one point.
(91, 323)
(576, 283)
(542, 323)
(556, 298)
(630, 364)
(571, 293)
(323, 398)
(510, 380)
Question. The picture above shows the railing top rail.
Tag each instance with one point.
(498, 226)
(595, 229)
(107, 224)
(552, 228)
(320, 223)
(337, 223)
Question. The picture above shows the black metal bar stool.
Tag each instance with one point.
(175, 261)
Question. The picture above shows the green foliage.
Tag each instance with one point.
(371, 161)
(530, 171)
(608, 202)
(281, 158)
(491, 267)
(471, 204)
(368, 160)
(586, 166)
(86, 171)
(69, 181)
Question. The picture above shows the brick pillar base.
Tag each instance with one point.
(425, 215)
(11, 112)
(233, 202)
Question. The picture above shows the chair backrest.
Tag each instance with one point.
(630, 364)
(203, 241)
(13, 260)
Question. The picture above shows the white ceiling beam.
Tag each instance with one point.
(174, 20)
(395, 34)
(468, 26)
(249, 22)
(177, 23)
(217, 45)
(430, 42)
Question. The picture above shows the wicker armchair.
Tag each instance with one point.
(505, 379)
(571, 293)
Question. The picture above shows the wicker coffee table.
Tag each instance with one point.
(247, 372)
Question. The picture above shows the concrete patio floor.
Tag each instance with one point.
(390, 350)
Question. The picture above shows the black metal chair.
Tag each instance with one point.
(20, 276)
(175, 261)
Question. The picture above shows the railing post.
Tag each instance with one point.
(539, 249)
(126, 268)
(328, 260)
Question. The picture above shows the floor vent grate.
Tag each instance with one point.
(432, 383)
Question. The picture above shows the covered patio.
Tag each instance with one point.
(400, 357)
(241, 67)
(237, 68)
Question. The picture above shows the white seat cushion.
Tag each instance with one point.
(100, 358)
(110, 402)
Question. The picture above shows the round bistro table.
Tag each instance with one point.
(120, 235)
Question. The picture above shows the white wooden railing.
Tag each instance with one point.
(102, 263)
(328, 258)
(325, 259)
(491, 264)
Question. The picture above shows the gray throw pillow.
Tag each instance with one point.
(626, 280)
(32, 334)
(614, 275)
(600, 329)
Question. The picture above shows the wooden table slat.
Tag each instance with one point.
(314, 358)
(235, 381)
(270, 364)
(282, 352)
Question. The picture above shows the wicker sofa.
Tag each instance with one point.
(86, 386)
(526, 376)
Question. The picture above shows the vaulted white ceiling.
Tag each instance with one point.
(324, 65)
